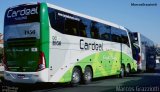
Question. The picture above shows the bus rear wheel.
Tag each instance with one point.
(76, 76)
(87, 77)
(128, 70)
(122, 71)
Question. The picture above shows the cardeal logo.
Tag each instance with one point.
(90, 46)
(23, 12)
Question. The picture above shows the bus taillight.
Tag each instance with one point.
(42, 62)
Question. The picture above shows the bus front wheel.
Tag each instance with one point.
(76, 76)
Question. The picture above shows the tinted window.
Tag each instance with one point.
(99, 30)
(84, 27)
(95, 30)
(124, 37)
(74, 25)
(56, 21)
(64, 22)
(116, 35)
(71, 27)
(104, 31)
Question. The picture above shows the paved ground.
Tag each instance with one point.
(136, 82)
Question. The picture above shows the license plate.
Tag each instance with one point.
(21, 76)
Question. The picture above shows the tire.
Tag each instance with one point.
(76, 77)
(122, 72)
(87, 76)
(128, 70)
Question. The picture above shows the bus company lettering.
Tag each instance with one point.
(90, 46)
(69, 17)
(29, 32)
(24, 12)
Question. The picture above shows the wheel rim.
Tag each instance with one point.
(76, 77)
(122, 72)
(128, 70)
(88, 76)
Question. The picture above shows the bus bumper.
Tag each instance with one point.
(27, 77)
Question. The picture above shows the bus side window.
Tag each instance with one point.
(104, 31)
(71, 27)
(94, 30)
(52, 17)
(116, 35)
(82, 29)
(124, 37)
(56, 21)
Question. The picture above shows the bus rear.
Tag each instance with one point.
(24, 60)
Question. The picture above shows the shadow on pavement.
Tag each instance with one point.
(149, 82)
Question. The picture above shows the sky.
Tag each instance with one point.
(143, 19)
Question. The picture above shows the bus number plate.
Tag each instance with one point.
(21, 76)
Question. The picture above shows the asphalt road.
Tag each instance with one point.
(142, 82)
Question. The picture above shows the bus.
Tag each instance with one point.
(147, 60)
(48, 43)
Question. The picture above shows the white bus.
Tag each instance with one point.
(47, 43)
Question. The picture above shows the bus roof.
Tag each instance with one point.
(78, 14)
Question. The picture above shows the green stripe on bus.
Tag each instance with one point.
(44, 31)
